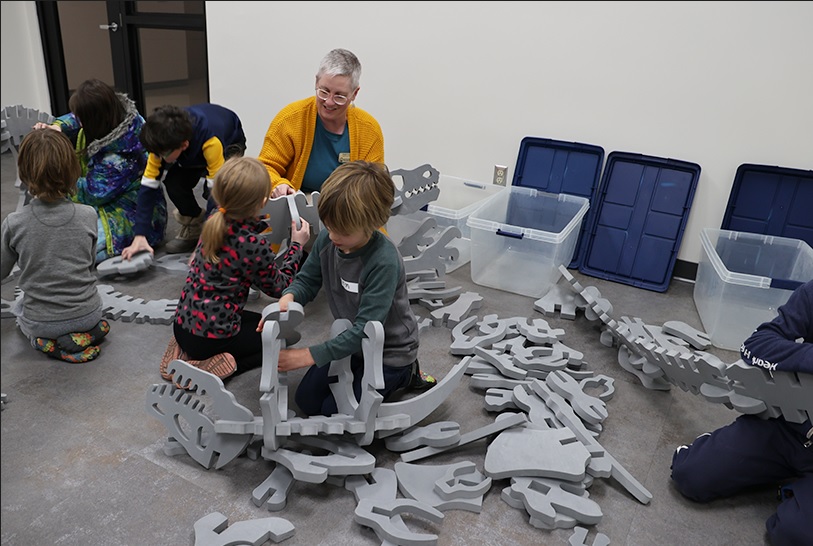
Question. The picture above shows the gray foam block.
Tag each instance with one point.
(214, 530)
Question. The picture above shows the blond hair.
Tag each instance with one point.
(48, 164)
(357, 196)
(240, 188)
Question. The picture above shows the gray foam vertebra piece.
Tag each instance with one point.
(173, 263)
(117, 306)
(214, 530)
(562, 299)
(696, 338)
(463, 345)
(591, 409)
(117, 265)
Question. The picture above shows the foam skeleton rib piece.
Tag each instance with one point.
(372, 346)
(567, 417)
(502, 362)
(516, 500)
(117, 265)
(544, 498)
(498, 400)
(172, 405)
(117, 306)
(457, 486)
(380, 485)
(419, 187)
(273, 492)
(214, 530)
(539, 414)
(381, 517)
(420, 406)
(418, 289)
(342, 388)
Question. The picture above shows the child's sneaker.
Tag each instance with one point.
(222, 365)
(173, 352)
(421, 381)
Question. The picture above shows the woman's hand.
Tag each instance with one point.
(282, 189)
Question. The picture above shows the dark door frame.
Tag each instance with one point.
(124, 45)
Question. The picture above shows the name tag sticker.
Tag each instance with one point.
(344, 157)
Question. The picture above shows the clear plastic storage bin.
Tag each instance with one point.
(743, 278)
(520, 237)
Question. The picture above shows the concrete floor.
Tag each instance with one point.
(82, 460)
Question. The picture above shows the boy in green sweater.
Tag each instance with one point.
(365, 280)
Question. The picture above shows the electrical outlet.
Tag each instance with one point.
(500, 174)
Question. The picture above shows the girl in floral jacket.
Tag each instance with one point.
(105, 125)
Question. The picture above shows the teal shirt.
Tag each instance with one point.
(369, 284)
(326, 155)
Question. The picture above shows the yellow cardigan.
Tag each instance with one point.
(289, 139)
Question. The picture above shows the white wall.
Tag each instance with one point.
(459, 85)
(23, 69)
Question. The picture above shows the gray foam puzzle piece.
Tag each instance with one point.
(431, 294)
(562, 299)
(539, 414)
(419, 187)
(504, 363)
(381, 517)
(117, 265)
(214, 530)
(696, 338)
(420, 482)
(451, 315)
(412, 243)
(600, 457)
(516, 500)
(289, 321)
(344, 458)
(463, 345)
(503, 421)
(380, 485)
(420, 406)
(579, 537)
(173, 263)
(437, 434)
(173, 406)
(342, 388)
(544, 499)
(589, 408)
(435, 255)
(498, 400)
(273, 492)
(117, 306)
(523, 451)
(784, 393)
(278, 219)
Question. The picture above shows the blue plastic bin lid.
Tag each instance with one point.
(771, 201)
(639, 219)
(556, 166)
